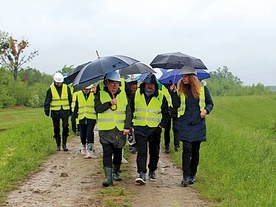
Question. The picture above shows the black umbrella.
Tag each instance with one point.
(136, 68)
(176, 60)
(95, 70)
(74, 72)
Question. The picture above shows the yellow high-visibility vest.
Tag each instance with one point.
(59, 101)
(109, 119)
(86, 106)
(147, 115)
(202, 104)
(166, 93)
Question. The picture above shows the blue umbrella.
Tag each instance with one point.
(173, 75)
(96, 70)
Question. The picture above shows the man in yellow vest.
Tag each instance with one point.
(114, 121)
(58, 101)
(149, 117)
(83, 106)
(195, 104)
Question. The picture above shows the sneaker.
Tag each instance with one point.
(58, 148)
(176, 148)
(64, 148)
(90, 155)
(133, 150)
(152, 175)
(184, 183)
(167, 149)
(142, 179)
(83, 151)
(192, 179)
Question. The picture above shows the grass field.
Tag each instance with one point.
(237, 163)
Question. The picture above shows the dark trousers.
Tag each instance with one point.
(142, 144)
(167, 133)
(87, 133)
(73, 122)
(65, 130)
(108, 151)
(190, 157)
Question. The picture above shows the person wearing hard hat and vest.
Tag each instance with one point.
(114, 121)
(150, 115)
(195, 104)
(83, 106)
(58, 104)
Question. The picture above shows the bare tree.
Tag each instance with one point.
(12, 53)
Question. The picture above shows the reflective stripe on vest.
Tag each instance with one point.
(58, 101)
(110, 119)
(86, 106)
(150, 114)
(201, 103)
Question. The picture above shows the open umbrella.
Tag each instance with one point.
(95, 70)
(74, 72)
(176, 60)
(173, 75)
(136, 68)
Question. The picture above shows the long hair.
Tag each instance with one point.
(194, 84)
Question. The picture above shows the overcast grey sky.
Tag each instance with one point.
(239, 34)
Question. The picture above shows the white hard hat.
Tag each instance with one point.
(89, 87)
(114, 76)
(58, 77)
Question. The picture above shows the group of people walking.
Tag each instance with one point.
(119, 109)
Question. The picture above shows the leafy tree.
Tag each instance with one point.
(12, 53)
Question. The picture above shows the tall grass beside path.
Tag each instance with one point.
(25, 142)
(238, 161)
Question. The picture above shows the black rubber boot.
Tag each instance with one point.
(108, 177)
(116, 173)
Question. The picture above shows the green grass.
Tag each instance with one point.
(25, 142)
(237, 163)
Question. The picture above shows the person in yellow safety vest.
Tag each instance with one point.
(150, 115)
(58, 101)
(195, 104)
(175, 101)
(114, 121)
(83, 106)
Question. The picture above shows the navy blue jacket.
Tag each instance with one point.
(191, 126)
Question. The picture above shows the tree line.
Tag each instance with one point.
(27, 86)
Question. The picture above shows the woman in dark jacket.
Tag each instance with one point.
(196, 103)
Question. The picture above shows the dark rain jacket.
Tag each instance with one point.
(60, 113)
(191, 126)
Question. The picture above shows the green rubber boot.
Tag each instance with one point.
(116, 173)
(108, 177)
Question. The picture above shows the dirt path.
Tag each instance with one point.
(67, 179)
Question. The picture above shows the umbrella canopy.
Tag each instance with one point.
(176, 60)
(173, 76)
(74, 72)
(95, 70)
(136, 68)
